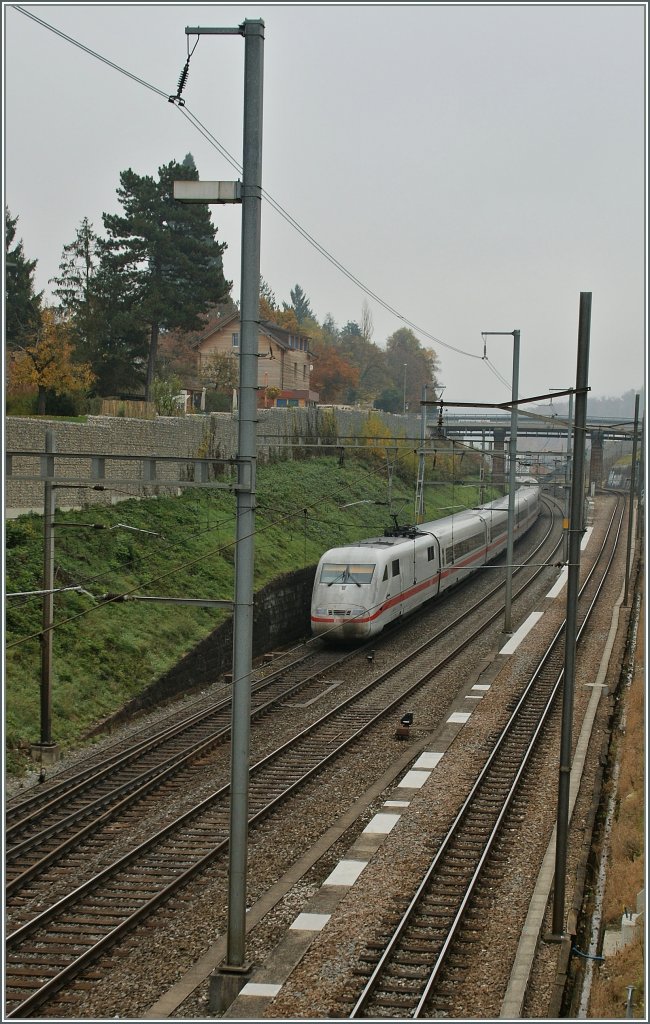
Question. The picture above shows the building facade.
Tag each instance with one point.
(285, 363)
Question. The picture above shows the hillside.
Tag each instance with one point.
(107, 651)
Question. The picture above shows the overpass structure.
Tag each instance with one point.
(494, 427)
(532, 424)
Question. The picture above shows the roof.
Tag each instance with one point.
(279, 335)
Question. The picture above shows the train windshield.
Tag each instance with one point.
(340, 572)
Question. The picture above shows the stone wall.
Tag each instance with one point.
(281, 610)
(213, 436)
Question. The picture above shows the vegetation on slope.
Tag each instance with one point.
(626, 860)
(106, 651)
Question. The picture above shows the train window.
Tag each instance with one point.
(463, 547)
(396, 567)
(361, 573)
(342, 572)
(385, 576)
(430, 553)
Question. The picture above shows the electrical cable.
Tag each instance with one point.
(316, 245)
(274, 204)
(91, 53)
(170, 572)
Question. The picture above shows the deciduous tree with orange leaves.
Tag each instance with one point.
(47, 363)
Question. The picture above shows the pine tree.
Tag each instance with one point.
(78, 266)
(23, 305)
(165, 253)
(300, 305)
(105, 325)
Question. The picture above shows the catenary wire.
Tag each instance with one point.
(147, 583)
(275, 205)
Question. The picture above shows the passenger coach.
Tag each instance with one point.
(360, 588)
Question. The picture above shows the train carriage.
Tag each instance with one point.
(360, 588)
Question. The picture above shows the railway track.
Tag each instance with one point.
(46, 952)
(408, 969)
(45, 827)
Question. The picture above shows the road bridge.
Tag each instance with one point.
(470, 426)
(531, 424)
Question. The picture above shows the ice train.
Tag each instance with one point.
(360, 588)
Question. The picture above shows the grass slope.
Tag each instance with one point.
(107, 651)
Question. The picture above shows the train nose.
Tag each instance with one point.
(340, 623)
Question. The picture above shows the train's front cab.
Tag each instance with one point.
(344, 595)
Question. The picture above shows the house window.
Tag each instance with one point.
(235, 339)
(304, 373)
(295, 371)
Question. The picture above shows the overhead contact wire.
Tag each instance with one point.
(234, 163)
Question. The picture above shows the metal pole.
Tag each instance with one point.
(512, 476)
(404, 403)
(49, 505)
(567, 482)
(253, 31)
(630, 527)
(573, 587)
(512, 485)
(640, 485)
(419, 498)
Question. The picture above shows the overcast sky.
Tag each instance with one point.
(475, 167)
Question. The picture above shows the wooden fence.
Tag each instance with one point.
(128, 409)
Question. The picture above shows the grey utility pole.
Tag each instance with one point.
(512, 476)
(576, 530)
(628, 556)
(253, 32)
(567, 478)
(231, 975)
(47, 747)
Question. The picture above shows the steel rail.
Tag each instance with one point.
(373, 983)
(121, 797)
(66, 905)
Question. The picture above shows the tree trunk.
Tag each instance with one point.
(40, 408)
(151, 364)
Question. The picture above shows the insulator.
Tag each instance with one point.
(182, 80)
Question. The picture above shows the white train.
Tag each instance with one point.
(359, 589)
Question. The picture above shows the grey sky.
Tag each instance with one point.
(476, 167)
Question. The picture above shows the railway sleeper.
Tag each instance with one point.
(362, 972)
(390, 1003)
(433, 936)
(16, 973)
(407, 988)
(55, 946)
(85, 936)
(86, 919)
(20, 959)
